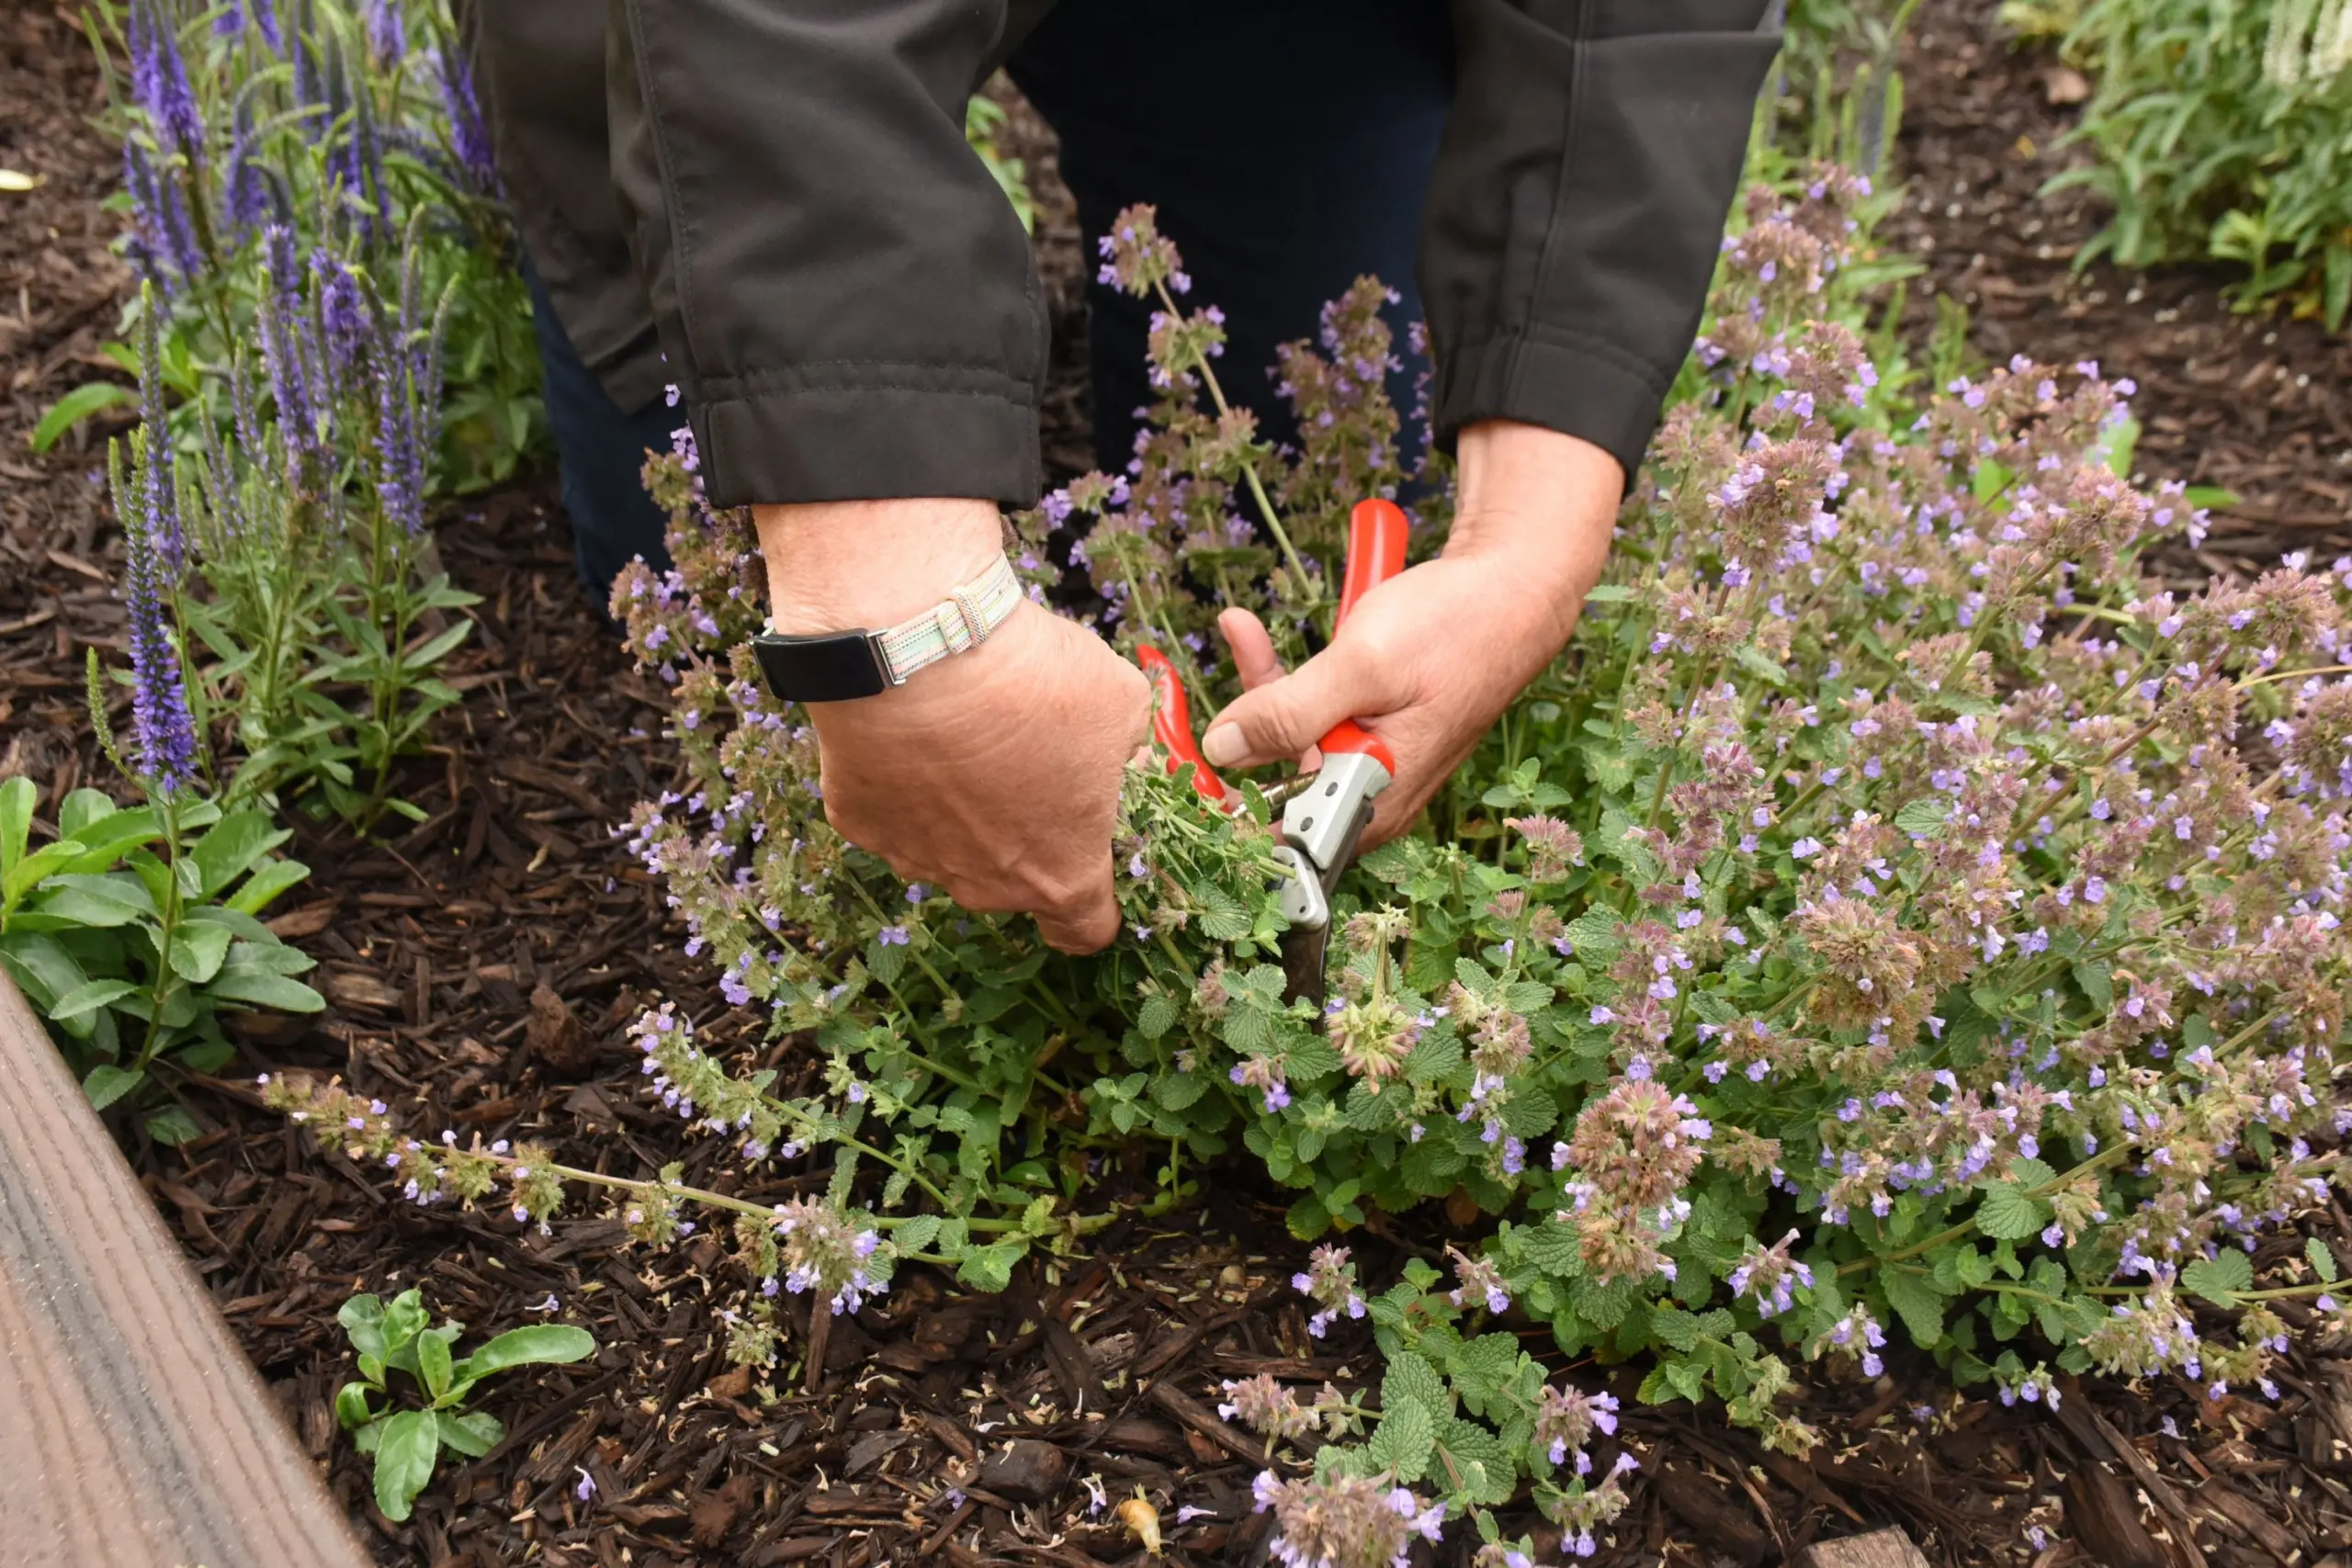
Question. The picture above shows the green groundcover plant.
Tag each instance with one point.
(1893, 918)
(2221, 130)
(407, 1444)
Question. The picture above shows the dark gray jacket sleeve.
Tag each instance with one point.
(1577, 206)
(845, 295)
(849, 302)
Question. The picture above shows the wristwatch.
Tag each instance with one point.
(839, 667)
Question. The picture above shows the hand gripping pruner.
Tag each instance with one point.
(1325, 812)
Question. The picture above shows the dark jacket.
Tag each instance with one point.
(849, 304)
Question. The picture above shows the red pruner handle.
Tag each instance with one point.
(1376, 539)
(1349, 735)
(1171, 724)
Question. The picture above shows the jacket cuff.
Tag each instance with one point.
(871, 443)
(1563, 380)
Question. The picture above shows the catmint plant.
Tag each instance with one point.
(1894, 926)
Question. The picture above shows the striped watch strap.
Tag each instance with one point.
(963, 620)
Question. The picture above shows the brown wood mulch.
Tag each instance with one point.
(481, 968)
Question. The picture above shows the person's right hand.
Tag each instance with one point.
(993, 773)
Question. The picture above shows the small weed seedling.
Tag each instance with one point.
(408, 1443)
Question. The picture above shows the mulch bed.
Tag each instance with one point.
(481, 969)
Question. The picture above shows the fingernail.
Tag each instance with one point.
(1224, 746)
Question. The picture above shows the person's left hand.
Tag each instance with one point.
(1428, 659)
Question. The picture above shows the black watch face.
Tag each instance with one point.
(835, 668)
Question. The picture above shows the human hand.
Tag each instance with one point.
(1428, 658)
(994, 774)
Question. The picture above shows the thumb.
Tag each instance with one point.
(1288, 715)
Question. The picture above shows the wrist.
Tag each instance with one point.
(1540, 505)
(837, 565)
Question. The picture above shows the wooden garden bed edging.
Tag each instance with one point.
(133, 1432)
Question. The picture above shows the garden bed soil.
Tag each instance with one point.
(481, 968)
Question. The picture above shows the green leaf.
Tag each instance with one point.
(231, 846)
(472, 1434)
(263, 989)
(352, 1410)
(1594, 934)
(432, 1361)
(1405, 1440)
(363, 1320)
(2321, 1259)
(1757, 662)
(89, 996)
(1924, 818)
(404, 1321)
(108, 1083)
(405, 1454)
(269, 879)
(915, 1234)
(17, 798)
(198, 950)
(1488, 1477)
(101, 901)
(1916, 1301)
(2219, 1279)
(1608, 593)
(2008, 1214)
(550, 1344)
(1410, 1380)
(1156, 1017)
(90, 397)
(173, 1126)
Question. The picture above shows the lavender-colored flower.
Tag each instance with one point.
(288, 358)
(824, 1252)
(159, 77)
(1330, 1281)
(244, 188)
(162, 243)
(386, 33)
(163, 739)
(469, 141)
(342, 312)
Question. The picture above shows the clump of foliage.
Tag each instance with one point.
(2222, 130)
(134, 928)
(407, 1443)
(292, 572)
(1893, 920)
(346, 133)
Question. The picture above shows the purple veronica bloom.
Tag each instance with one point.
(159, 78)
(387, 37)
(245, 196)
(342, 310)
(162, 243)
(468, 132)
(284, 353)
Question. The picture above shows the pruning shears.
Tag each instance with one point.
(1324, 813)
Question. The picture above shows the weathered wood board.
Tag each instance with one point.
(133, 1432)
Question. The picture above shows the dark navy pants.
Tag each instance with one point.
(1286, 143)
